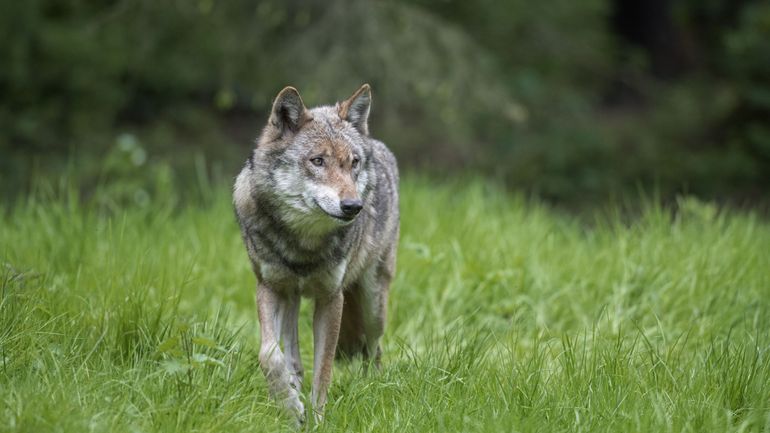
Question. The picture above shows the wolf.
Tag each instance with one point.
(317, 204)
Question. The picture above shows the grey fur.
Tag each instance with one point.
(295, 235)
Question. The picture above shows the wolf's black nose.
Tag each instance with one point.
(351, 207)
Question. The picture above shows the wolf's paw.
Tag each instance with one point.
(295, 408)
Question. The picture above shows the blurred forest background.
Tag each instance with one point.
(573, 101)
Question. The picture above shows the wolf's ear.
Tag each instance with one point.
(289, 112)
(356, 109)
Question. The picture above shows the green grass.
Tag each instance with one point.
(505, 316)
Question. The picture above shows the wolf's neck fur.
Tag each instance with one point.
(284, 239)
(308, 227)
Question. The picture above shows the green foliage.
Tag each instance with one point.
(504, 316)
(518, 90)
(748, 65)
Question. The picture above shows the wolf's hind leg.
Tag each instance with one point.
(273, 311)
(363, 321)
(374, 304)
(376, 287)
(351, 340)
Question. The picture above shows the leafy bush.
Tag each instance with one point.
(517, 90)
(748, 66)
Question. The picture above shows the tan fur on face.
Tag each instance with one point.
(338, 173)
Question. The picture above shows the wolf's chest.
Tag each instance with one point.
(321, 282)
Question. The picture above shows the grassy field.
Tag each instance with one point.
(505, 316)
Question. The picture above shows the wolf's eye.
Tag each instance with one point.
(355, 162)
(317, 161)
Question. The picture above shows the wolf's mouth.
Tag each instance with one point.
(341, 218)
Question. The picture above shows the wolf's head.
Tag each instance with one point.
(314, 161)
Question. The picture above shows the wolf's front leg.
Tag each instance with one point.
(273, 311)
(290, 338)
(326, 330)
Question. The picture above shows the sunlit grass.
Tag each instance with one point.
(505, 316)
